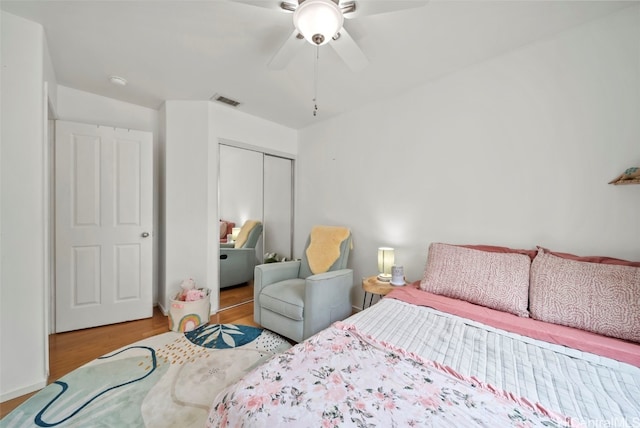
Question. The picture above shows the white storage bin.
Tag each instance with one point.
(187, 316)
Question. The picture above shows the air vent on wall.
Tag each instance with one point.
(225, 100)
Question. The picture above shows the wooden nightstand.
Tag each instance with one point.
(372, 286)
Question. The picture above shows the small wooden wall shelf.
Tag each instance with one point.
(629, 176)
(634, 181)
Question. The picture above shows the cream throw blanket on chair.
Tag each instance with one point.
(244, 232)
(324, 247)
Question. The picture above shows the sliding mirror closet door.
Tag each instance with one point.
(240, 199)
(241, 184)
(254, 185)
(278, 206)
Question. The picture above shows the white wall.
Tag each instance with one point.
(516, 151)
(193, 130)
(189, 203)
(85, 107)
(50, 76)
(79, 106)
(23, 336)
(237, 126)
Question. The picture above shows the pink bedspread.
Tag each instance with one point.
(341, 377)
(610, 347)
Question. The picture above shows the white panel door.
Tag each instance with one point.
(103, 195)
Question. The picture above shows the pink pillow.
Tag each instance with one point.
(598, 297)
(493, 279)
(497, 249)
(223, 229)
(592, 259)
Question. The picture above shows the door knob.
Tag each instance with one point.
(145, 234)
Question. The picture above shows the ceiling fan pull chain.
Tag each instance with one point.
(315, 82)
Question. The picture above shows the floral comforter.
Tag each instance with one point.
(341, 377)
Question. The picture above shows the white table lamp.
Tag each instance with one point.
(385, 261)
(234, 233)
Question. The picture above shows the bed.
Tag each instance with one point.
(489, 337)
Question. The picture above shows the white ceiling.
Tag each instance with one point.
(190, 50)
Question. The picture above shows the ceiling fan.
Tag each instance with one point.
(321, 22)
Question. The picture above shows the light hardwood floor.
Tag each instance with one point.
(235, 295)
(70, 350)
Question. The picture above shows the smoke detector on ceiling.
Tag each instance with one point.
(225, 100)
(117, 80)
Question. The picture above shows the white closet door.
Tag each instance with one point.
(278, 205)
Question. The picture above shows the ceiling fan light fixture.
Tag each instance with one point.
(318, 20)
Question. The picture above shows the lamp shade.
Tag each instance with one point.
(234, 233)
(318, 20)
(386, 259)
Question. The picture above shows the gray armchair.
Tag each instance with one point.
(237, 264)
(293, 302)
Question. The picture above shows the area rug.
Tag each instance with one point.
(167, 380)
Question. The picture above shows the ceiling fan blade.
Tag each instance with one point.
(281, 5)
(354, 9)
(286, 52)
(349, 51)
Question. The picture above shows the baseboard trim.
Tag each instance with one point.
(22, 391)
(163, 310)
